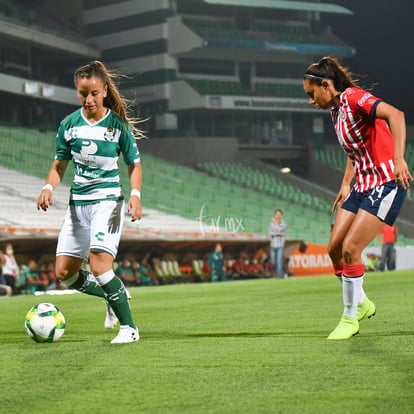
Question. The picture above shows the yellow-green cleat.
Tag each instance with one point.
(366, 310)
(346, 328)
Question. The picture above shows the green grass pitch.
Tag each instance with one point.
(237, 347)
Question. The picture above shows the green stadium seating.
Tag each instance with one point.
(215, 28)
(280, 89)
(304, 209)
(292, 33)
(234, 196)
(28, 149)
(218, 87)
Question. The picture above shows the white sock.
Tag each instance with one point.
(72, 279)
(362, 296)
(105, 278)
(351, 293)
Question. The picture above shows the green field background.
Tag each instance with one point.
(256, 346)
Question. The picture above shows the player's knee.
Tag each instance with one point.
(62, 274)
(335, 252)
(350, 252)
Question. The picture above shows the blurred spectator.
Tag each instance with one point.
(126, 273)
(217, 266)
(267, 267)
(371, 261)
(48, 271)
(145, 262)
(147, 274)
(250, 269)
(388, 237)
(242, 269)
(10, 267)
(4, 288)
(277, 232)
(206, 269)
(260, 255)
(135, 271)
(21, 282)
(258, 268)
(144, 275)
(262, 263)
(36, 282)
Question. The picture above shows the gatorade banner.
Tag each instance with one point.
(310, 259)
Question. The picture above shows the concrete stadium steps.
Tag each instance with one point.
(18, 197)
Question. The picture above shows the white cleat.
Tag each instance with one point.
(126, 335)
(110, 319)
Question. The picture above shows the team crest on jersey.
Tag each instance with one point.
(342, 114)
(109, 134)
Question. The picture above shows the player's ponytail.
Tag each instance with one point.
(330, 68)
(113, 99)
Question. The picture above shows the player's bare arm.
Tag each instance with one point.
(345, 188)
(134, 203)
(56, 173)
(396, 122)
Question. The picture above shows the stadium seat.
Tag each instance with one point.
(162, 275)
(200, 275)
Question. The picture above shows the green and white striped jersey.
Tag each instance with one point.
(95, 150)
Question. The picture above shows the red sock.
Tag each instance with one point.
(338, 269)
(356, 270)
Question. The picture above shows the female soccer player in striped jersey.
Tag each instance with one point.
(93, 137)
(372, 133)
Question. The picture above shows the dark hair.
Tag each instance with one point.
(329, 68)
(113, 99)
(278, 210)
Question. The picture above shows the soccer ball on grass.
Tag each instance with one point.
(45, 323)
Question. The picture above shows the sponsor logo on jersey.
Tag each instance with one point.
(88, 148)
(364, 99)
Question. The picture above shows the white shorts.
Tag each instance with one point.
(92, 227)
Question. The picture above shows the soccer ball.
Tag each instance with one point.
(45, 323)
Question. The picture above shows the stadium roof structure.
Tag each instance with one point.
(285, 5)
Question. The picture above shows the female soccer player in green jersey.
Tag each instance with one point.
(93, 137)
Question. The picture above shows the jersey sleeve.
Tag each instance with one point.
(129, 146)
(62, 146)
(363, 102)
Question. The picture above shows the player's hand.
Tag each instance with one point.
(135, 208)
(402, 175)
(342, 195)
(44, 200)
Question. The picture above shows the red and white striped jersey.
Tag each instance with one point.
(366, 140)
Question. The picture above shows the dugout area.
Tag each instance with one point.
(183, 247)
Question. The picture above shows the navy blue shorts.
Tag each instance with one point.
(384, 201)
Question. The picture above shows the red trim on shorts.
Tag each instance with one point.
(356, 270)
(338, 269)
